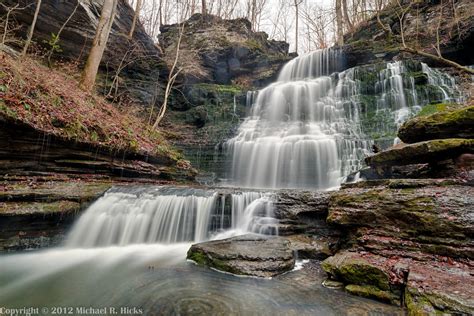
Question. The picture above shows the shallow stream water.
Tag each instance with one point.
(157, 280)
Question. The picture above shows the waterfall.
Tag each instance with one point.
(309, 129)
(167, 215)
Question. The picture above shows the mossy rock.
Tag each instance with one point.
(355, 270)
(418, 306)
(446, 124)
(430, 151)
(369, 291)
(251, 255)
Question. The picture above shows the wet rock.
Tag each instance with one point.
(434, 216)
(407, 241)
(352, 268)
(331, 284)
(431, 151)
(38, 214)
(252, 255)
(370, 292)
(449, 124)
(307, 247)
(293, 204)
(440, 287)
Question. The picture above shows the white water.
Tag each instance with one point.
(305, 131)
(168, 215)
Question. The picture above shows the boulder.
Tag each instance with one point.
(450, 124)
(251, 255)
(427, 287)
(431, 151)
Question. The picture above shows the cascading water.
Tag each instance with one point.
(306, 131)
(126, 216)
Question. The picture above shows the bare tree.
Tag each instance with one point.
(296, 3)
(135, 18)
(173, 74)
(32, 28)
(318, 21)
(347, 20)
(6, 21)
(98, 45)
(401, 18)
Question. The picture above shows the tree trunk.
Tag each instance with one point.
(339, 24)
(296, 25)
(32, 28)
(346, 15)
(253, 19)
(98, 45)
(135, 18)
(203, 7)
(171, 79)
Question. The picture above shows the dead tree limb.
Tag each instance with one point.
(438, 59)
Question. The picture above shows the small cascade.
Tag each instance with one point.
(253, 212)
(167, 215)
(315, 125)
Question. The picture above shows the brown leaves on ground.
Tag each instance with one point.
(51, 102)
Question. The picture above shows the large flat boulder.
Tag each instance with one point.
(252, 255)
(449, 124)
(430, 151)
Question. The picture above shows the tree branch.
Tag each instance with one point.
(438, 59)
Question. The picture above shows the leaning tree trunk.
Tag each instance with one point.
(98, 45)
(32, 28)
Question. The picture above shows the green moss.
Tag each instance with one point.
(205, 260)
(355, 271)
(220, 88)
(7, 111)
(362, 273)
(198, 257)
(418, 306)
(22, 208)
(423, 152)
(253, 44)
(432, 108)
(370, 292)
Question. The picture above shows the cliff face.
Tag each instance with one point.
(226, 51)
(381, 40)
(138, 58)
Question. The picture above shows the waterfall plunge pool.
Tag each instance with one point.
(112, 261)
(157, 280)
